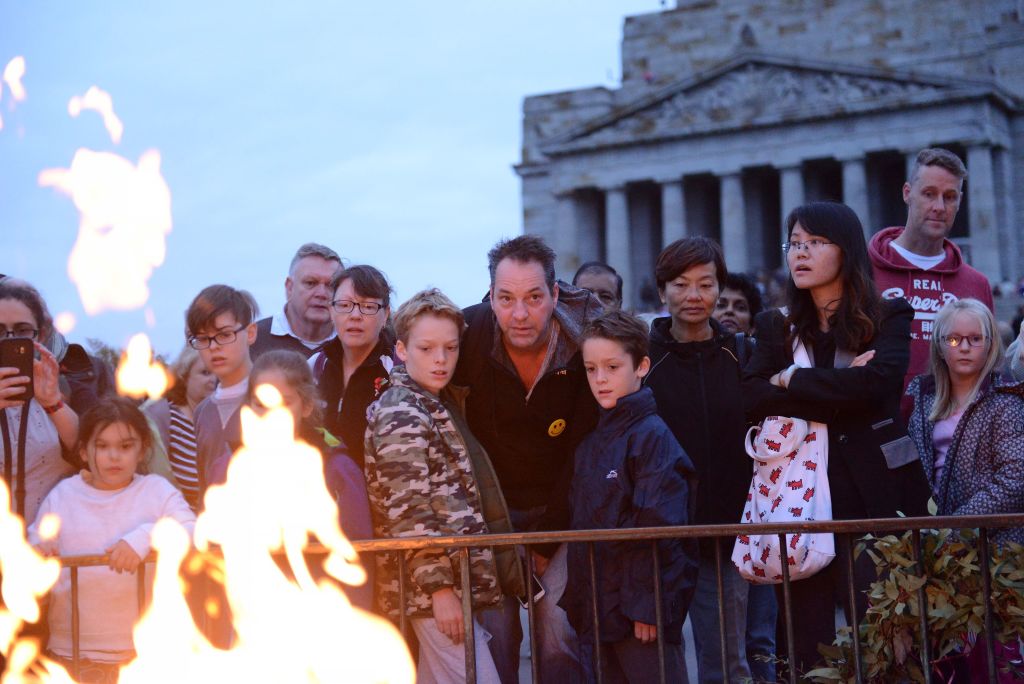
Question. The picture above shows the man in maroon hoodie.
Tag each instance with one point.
(917, 261)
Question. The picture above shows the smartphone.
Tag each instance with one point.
(19, 352)
(537, 588)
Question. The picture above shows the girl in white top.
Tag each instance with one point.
(107, 509)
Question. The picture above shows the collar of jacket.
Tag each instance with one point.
(661, 334)
(924, 386)
(627, 410)
(400, 378)
(574, 309)
(333, 351)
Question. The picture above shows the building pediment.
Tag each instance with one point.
(754, 90)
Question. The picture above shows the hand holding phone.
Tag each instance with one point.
(17, 356)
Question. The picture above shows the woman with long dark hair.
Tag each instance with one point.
(859, 347)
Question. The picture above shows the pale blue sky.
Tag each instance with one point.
(385, 130)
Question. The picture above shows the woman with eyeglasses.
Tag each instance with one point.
(42, 423)
(859, 348)
(967, 422)
(352, 369)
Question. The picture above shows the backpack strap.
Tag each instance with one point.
(744, 348)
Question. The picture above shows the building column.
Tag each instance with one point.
(855, 192)
(673, 212)
(791, 190)
(617, 247)
(1007, 216)
(981, 221)
(734, 228)
(566, 237)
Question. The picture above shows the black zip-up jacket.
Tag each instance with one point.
(630, 472)
(530, 441)
(697, 388)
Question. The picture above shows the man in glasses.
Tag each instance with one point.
(918, 261)
(305, 324)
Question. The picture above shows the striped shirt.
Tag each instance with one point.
(181, 452)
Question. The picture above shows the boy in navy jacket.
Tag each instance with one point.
(629, 472)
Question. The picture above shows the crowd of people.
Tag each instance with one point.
(547, 407)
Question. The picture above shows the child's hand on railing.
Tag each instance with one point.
(123, 557)
(646, 633)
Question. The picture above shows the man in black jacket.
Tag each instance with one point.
(529, 405)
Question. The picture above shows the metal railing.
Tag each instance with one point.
(846, 531)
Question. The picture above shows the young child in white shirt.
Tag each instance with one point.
(108, 509)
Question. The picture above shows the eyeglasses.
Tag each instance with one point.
(812, 245)
(954, 341)
(222, 338)
(19, 331)
(366, 308)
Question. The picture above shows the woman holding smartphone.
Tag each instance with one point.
(41, 423)
(859, 346)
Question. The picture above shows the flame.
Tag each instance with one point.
(13, 73)
(138, 375)
(98, 101)
(64, 322)
(287, 630)
(125, 214)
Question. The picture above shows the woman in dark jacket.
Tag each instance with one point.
(695, 377)
(860, 348)
(352, 369)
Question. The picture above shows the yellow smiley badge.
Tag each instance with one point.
(556, 428)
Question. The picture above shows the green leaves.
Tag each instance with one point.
(890, 633)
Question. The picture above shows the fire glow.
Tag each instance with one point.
(138, 374)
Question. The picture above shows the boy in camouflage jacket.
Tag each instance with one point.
(420, 482)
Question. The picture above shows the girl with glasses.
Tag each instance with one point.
(352, 369)
(968, 423)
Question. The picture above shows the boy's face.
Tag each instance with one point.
(228, 361)
(610, 370)
(431, 352)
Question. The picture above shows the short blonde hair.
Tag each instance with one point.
(431, 302)
(943, 406)
(181, 368)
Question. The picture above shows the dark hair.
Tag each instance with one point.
(856, 320)
(215, 300)
(682, 255)
(19, 290)
(748, 286)
(367, 281)
(599, 267)
(297, 373)
(108, 411)
(944, 159)
(524, 249)
(622, 327)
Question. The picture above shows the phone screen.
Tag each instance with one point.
(18, 352)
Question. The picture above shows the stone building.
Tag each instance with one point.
(731, 112)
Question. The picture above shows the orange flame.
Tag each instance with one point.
(125, 214)
(98, 101)
(138, 375)
(13, 73)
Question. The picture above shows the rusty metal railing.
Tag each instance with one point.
(846, 531)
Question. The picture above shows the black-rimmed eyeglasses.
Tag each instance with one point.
(345, 306)
(222, 338)
(954, 341)
(26, 332)
(806, 245)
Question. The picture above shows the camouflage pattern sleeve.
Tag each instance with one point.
(403, 470)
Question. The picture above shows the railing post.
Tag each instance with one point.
(852, 599)
(922, 602)
(403, 620)
(595, 612)
(659, 618)
(986, 596)
(75, 635)
(531, 618)
(467, 617)
(720, 586)
(140, 588)
(787, 606)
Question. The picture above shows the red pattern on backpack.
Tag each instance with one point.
(808, 494)
(795, 484)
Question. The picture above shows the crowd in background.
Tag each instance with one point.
(546, 407)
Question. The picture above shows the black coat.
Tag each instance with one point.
(630, 472)
(697, 388)
(860, 407)
(345, 407)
